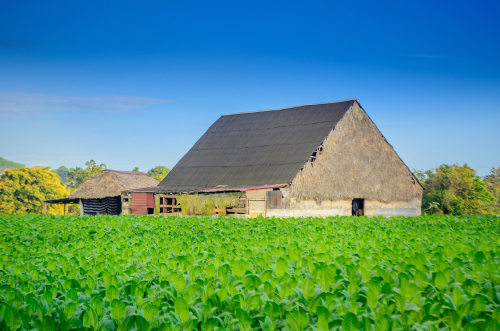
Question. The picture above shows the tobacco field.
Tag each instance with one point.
(154, 273)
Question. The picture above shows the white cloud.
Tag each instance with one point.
(19, 105)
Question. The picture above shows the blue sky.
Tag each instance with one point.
(137, 83)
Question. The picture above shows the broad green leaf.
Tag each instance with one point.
(150, 312)
(72, 295)
(210, 270)
(179, 283)
(272, 309)
(281, 267)
(239, 268)
(12, 318)
(182, 309)
(163, 270)
(118, 310)
(242, 316)
(142, 324)
(222, 294)
(440, 280)
(350, 322)
(322, 324)
(371, 299)
(127, 323)
(112, 293)
(89, 319)
(383, 323)
(46, 324)
(308, 288)
(69, 310)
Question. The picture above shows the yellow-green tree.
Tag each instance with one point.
(159, 172)
(455, 190)
(23, 190)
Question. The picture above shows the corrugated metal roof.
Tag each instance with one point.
(255, 149)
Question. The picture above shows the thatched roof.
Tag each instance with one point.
(256, 148)
(110, 183)
(359, 163)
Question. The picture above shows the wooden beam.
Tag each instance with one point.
(45, 208)
(81, 207)
(241, 210)
(64, 208)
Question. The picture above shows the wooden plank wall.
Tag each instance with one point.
(256, 202)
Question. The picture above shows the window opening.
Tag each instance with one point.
(169, 205)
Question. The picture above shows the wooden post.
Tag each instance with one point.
(64, 208)
(81, 207)
(45, 208)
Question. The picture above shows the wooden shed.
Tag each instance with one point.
(313, 160)
(101, 194)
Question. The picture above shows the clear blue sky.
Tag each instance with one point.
(136, 83)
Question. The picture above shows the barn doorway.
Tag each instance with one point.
(358, 207)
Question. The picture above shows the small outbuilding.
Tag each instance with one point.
(101, 194)
(313, 160)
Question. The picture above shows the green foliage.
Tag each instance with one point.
(493, 185)
(136, 169)
(159, 172)
(6, 164)
(455, 190)
(100, 273)
(62, 172)
(77, 176)
(23, 190)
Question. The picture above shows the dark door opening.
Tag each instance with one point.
(358, 207)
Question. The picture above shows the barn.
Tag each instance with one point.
(101, 194)
(313, 160)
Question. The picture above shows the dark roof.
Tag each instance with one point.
(256, 148)
(62, 201)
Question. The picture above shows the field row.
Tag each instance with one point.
(148, 273)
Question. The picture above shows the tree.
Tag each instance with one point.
(493, 185)
(159, 172)
(136, 169)
(455, 190)
(77, 176)
(63, 173)
(22, 190)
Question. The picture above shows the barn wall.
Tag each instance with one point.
(204, 204)
(310, 208)
(356, 162)
(398, 208)
(126, 200)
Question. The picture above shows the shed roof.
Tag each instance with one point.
(255, 148)
(110, 183)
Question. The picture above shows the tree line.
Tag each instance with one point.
(458, 190)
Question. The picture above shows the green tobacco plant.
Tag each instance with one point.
(106, 273)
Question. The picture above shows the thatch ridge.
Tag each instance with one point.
(357, 162)
(110, 183)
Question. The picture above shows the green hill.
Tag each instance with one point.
(6, 164)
